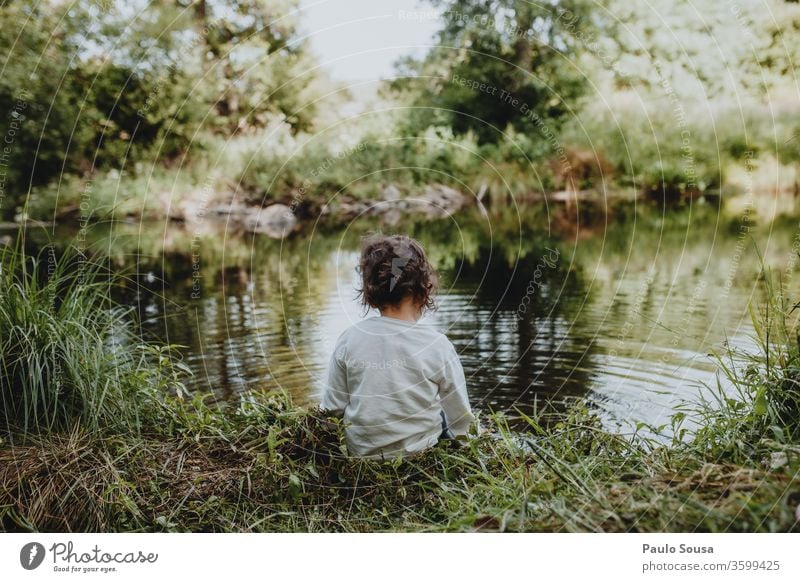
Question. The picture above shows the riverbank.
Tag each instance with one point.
(141, 455)
(294, 186)
(268, 466)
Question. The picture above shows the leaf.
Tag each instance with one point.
(760, 402)
(295, 486)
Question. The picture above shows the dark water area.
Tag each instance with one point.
(621, 309)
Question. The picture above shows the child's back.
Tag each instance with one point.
(392, 379)
(397, 384)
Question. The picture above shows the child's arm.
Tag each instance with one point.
(336, 397)
(453, 392)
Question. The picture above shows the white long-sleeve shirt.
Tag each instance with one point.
(390, 380)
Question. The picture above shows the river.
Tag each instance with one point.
(621, 308)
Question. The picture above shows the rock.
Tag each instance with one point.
(435, 201)
(392, 217)
(276, 221)
(391, 193)
(438, 201)
(236, 210)
(347, 209)
(196, 205)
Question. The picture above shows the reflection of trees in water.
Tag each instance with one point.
(660, 279)
(486, 268)
(264, 304)
(577, 308)
(518, 357)
(251, 321)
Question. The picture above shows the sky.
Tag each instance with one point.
(361, 39)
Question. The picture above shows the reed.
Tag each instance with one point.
(68, 352)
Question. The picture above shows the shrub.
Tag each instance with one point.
(68, 353)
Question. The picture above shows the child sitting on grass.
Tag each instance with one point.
(397, 384)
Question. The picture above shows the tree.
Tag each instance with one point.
(88, 85)
(498, 64)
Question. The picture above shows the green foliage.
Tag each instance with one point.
(654, 147)
(266, 465)
(500, 64)
(516, 97)
(68, 353)
(315, 169)
(85, 89)
(760, 419)
(256, 66)
(82, 111)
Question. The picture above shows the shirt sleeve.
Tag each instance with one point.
(453, 393)
(336, 397)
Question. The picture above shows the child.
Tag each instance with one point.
(398, 385)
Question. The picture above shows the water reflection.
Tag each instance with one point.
(624, 316)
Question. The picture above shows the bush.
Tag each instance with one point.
(68, 354)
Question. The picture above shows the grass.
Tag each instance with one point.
(761, 418)
(159, 462)
(68, 353)
(268, 466)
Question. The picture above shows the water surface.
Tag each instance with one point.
(620, 308)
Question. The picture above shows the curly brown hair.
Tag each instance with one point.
(393, 268)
